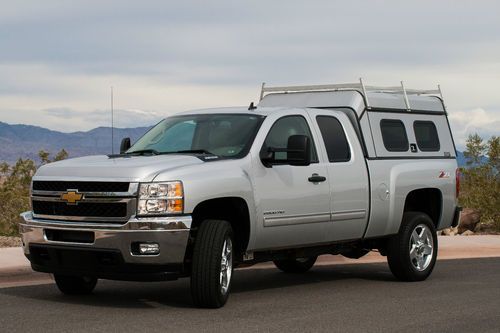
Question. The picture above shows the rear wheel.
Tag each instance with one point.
(75, 285)
(212, 266)
(296, 265)
(412, 253)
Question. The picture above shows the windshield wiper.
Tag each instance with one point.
(156, 152)
(143, 152)
(193, 151)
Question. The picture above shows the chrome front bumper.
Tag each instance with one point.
(171, 233)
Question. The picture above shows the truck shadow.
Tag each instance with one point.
(176, 294)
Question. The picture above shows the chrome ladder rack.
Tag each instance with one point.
(359, 86)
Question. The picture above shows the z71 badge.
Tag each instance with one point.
(444, 174)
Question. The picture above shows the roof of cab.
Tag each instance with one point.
(263, 111)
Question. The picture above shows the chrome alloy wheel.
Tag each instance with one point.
(421, 247)
(226, 265)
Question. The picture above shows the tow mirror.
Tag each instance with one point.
(297, 152)
(125, 145)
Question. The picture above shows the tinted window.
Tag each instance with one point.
(335, 140)
(225, 135)
(394, 135)
(282, 129)
(426, 135)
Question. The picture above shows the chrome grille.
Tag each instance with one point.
(52, 186)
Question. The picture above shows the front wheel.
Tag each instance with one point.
(412, 253)
(75, 285)
(212, 266)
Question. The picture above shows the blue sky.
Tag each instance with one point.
(59, 59)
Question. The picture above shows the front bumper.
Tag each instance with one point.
(108, 253)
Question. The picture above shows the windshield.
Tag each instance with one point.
(224, 135)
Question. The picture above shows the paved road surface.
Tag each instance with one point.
(460, 296)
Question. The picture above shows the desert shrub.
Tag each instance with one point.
(15, 184)
(480, 182)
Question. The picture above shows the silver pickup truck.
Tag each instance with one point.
(312, 170)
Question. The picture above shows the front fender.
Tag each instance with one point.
(212, 180)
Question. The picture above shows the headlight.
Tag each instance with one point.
(160, 198)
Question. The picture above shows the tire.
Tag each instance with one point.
(212, 268)
(297, 265)
(75, 285)
(412, 253)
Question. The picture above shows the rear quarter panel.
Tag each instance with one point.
(393, 180)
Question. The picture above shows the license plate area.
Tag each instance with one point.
(70, 236)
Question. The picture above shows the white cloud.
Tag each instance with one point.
(167, 56)
(464, 123)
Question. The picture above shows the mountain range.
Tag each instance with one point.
(24, 141)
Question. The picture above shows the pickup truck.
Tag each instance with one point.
(338, 169)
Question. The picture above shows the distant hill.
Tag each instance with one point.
(462, 161)
(24, 141)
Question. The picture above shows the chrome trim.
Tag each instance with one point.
(133, 191)
(134, 223)
(172, 233)
(84, 199)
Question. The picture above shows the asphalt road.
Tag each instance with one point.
(460, 296)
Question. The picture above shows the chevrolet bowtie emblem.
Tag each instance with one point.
(72, 197)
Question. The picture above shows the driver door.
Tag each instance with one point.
(294, 201)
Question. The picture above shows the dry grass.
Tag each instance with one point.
(8, 241)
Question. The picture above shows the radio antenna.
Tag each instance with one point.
(112, 123)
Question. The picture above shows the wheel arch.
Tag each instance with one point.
(427, 200)
(233, 209)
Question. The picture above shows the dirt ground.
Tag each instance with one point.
(6, 241)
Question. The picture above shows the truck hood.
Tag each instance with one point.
(102, 167)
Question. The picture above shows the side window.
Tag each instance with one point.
(426, 135)
(285, 127)
(334, 138)
(394, 135)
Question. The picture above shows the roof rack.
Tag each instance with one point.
(359, 86)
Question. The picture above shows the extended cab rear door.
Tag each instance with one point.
(347, 174)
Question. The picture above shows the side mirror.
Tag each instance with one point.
(267, 156)
(125, 145)
(299, 150)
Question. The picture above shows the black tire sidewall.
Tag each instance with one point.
(205, 274)
(399, 249)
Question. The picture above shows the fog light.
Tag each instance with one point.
(149, 248)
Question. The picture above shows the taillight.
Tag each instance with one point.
(457, 182)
